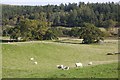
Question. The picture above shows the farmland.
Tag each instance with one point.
(41, 41)
(66, 51)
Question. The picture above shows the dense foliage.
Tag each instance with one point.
(39, 22)
(89, 33)
(69, 15)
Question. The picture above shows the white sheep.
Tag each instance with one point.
(31, 59)
(60, 66)
(79, 64)
(66, 68)
(90, 63)
(35, 62)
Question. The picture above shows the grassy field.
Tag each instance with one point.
(48, 54)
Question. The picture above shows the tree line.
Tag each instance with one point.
(68, 15)
(35, 30)
(40, 22)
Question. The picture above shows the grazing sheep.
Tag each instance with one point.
(66, 68)
(35, 62)
(90, 63)
(31, 59)
(60, 66)
(79, 64)
(8, 42)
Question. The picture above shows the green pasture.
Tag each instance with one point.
(16, 61)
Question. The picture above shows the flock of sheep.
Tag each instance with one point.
(62, 66)
(76, 64)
